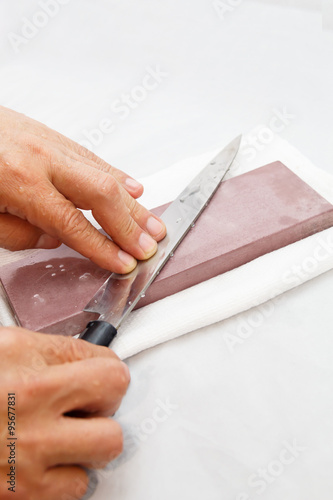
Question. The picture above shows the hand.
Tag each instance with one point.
(46, 177)
(52, 376)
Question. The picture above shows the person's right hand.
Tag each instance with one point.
(64, 390)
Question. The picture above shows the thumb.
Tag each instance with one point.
(19, 234)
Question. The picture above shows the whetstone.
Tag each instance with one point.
(250, 215)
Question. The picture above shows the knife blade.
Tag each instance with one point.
(120, 293)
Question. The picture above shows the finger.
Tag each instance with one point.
(44, 207)
(76, 152)
(59, 217)
(150, 222)
(132, 186)
(90, 385)
(64, 482)
(58, 349)
(125, 220)
(90, 442)
(19, 234)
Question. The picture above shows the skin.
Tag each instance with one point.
(46, 178)
(65, 388)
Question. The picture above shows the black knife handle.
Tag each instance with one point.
(99, 333)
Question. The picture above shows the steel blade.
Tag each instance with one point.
(120, 293)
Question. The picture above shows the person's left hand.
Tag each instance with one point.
(46, 178)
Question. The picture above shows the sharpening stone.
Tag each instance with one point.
(250, 215)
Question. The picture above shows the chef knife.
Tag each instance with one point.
(120, 293)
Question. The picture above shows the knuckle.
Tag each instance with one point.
(127, 226)
(55, 347)
(76, 349)
(86, 153)
(99, 243)
(107, 186)
(120, 379)
(10, 338)
(73, 222)
(31, 390)
(124, 378)
(35, 147)
(35, 386)
(112, 373)
(15, 175)
(136, 211)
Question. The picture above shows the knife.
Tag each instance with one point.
(121, 292)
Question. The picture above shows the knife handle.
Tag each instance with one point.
(99, 333)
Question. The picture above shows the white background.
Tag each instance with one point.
(227, 72)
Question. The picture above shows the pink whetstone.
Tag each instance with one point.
(249, 216)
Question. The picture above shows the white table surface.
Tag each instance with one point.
(201, 420)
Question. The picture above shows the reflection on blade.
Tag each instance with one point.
(120, 293)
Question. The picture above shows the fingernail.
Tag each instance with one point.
(46, 241)
(93, 483)
(131, 183)
(147, 243)
(154, 226)
(127, 259)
